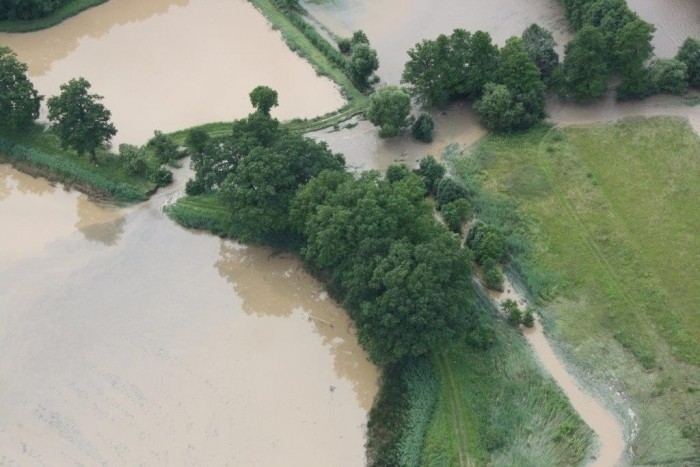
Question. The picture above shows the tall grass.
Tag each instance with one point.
(421, 396)
(68, 10)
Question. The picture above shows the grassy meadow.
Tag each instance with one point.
(611, 213)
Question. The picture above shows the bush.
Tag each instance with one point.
(162, 177)
(397, 172)
(163, 147)
(669, 76)
(431, 172)
(487, 242)
(493, 277)
(448, 191)
(135, 159)
(389, 109)
(195, 187)
(344, 45)
(422, 128)
(455, 213)
(528, 318)
(689, 53)
(637, 85)
(513, 314)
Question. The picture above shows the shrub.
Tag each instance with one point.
(422, 128)
(513, 314)
(669, 76)
(389, 109)
(528, 318)
(195, 187)
(135, 159)
(162, 177)
(344, 45)
(689, 53)
(397, 172)
(493, 277)
(163, 147)
(448, 191)
(455, 213)
(431, 172)
(487, 242)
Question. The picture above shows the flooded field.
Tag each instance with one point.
(675, 20)
(171, 64)
(127, 340)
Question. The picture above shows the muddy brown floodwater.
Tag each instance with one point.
(675, 20)
(127, 340)
(171, 64)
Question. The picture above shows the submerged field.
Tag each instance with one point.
(611, 211)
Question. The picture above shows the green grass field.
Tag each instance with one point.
(63, 13)
(612, 212)
(39, 153)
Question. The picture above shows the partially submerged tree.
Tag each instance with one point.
(79, 119)
(422, 128)
(362, 64)
(389, 109)
(263, 99)
(19, 100)
(539, 45)
(584, 73)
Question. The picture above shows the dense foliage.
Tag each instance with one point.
(689, 53)
(28, 9)
(79, 119)
(362, 64)
(389, 109)
(19, 100)
(539, 45)
(422, 128)
(584, 73)
(669, 76)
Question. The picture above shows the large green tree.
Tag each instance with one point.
(584, 74)
(389, 109)
(19, 100)
(79, 119)
(362, 64)
(263, 99)
(428, 71)
(539, 45)
(689, 53)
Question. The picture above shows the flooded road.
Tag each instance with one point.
(125, 339)
(171, 64)
(611, 441)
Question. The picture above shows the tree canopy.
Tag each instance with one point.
(362, 64)
(79, 119)
(389, 109)
(689, 53)
(539, 45)
(28, 9)
(263, 99)
(584, 74)
(19, 100)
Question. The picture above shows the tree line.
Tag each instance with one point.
(404, 278)
(28, 9)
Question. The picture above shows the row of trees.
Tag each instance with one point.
(404, 278)
(28, 9)
(613, 40)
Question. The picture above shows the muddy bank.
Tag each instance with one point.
(611, 439)
(125, 339)
(172, 64)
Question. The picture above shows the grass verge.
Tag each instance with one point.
(495, 407)
(66, 11)
(611, 211)
(39, 153)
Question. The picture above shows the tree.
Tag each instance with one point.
(163, 147)
(689, 53)
(397, 172)
(449, 191)
(455, 213)
(362, 64)
(389, 109)
(584, 71)
(498, 110)
(263, 99)
(431, 172)
(79, 119)
(422, 128)
(632, 49)
(428, 72)
(28, 9)
(487, 242)
(669, 76)
(19, 100)
(359, 37)
(539, 46)
(344, 45)
(522, 77)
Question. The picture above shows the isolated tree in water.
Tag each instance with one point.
(79, 119)
(263, 99)
(362, 64)
(389, 109)
(19, 101)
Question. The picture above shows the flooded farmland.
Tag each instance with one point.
(125, 339)
(158, 71)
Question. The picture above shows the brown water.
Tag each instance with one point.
(127, 340)
(364, 150)
(611, 450)
(171, 64)
(675, 20)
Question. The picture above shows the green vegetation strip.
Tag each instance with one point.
(63, 13)
(289, 24)
(39, 153)
(611, 210)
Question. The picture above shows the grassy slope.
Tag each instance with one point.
(109, 179)
(63, 13)
(357, 102)
(616, 213)
(496, 407)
